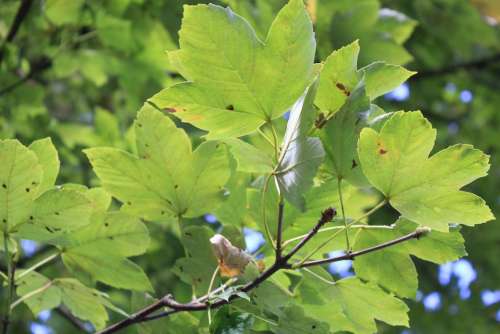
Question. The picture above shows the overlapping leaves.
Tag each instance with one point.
(27, 192)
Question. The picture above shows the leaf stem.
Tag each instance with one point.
(264, 214)
(10, 280)
(339, 189)
(37, 265)
(350, 256)
(279, 232)
(210, 286)
(324, 243)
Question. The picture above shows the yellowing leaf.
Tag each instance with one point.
(232, 260)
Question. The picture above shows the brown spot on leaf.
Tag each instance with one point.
(382, 151)
(343, 88)
(170, 110)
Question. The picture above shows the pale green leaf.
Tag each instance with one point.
(48, 298)
(20, 175)
(199, 265)
(63, 12)
(83, 302)
(249, 158)
(236, 81)
(166, 179)
(425, 190)
(338, 78)
(391, 268)
(49, 160)
(381, 78)
(61, 209)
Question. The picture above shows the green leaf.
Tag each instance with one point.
(49, 160)
(235, 80)
(63, 12)
(198, 266)
(338, 78)
(83, 302)
(117, 236)
(437, 247)
(47, 299)
(425, 190)
(391, 268)
(234, 209)
(340, 137)
(112, 270)
(300, 155)
(294, 321)
(249, 158)
(61, 209)
(227, 322)
(381, 78)
(354, 306)
(166, 179)
(20, 175)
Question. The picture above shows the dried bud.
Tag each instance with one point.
(232, 260)
(328, 215)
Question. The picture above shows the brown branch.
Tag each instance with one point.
(203, 304)
(21, 14)
(352, 255)
(471, 65)
(66, 314)
(279, 233)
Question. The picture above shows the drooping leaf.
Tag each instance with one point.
(237, 83)
(166, 179)
(300, 155)
(425, 190)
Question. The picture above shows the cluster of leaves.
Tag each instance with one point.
(337, 149)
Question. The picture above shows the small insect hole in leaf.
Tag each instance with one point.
(354, 164)
(27, 190)
(230, 107)
(56, 213)
(4, 186)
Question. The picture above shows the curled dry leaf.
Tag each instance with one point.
(232, 260)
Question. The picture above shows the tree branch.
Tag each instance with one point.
(21, 14)
(279, 232)
(202, 304)
(351, 255)
(471, 65)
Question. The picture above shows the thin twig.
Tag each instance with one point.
(197, 305)
(66, 314)
(21, 14)
(37, 265)
(350, 256)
